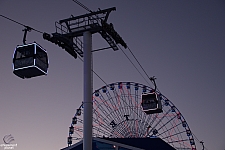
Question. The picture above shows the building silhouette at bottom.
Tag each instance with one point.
(124, 144)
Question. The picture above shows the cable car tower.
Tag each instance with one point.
(69, 31)
(68, 36)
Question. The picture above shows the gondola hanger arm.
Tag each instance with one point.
(27, 28)
(152, 79)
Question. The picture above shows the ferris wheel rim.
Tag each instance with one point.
(138, 85)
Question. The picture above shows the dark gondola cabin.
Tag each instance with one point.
(151, 103)
(30, 60)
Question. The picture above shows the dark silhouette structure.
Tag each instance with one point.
(124, 144)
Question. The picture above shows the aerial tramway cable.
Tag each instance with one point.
(21, 24)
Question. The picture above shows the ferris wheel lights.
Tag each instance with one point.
(178, 116)
(173, 108)
(144, 89)
(120, 85)
(71, 130)
(104, 89)
(160, 96)
(69, 140)
(128, 85)
(97, 93)
(167, 102)
(136, 86)
(192, 142)
(184, 124)
(78, 112)
(74, 120)
(188, 132)
(112, 86)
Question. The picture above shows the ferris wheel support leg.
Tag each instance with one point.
(87, 103)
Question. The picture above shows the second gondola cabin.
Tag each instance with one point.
(151, 103)
(30, 60)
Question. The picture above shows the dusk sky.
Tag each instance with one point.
(182, 43)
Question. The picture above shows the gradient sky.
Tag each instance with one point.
(182, 43)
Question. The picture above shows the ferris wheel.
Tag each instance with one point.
(134, 110)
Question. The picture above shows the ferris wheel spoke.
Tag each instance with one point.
(123, 108)
(128, 107)
(101, 125)
(155, 119)
(149, 119)
(177, 130)
(175, 123)
(144, 128)
(107, 109)
(114, 105)
(172, 139)
(178, 142)
(168, 129)
(133, 108)
(166, 122)
(122, 130)
(162, 132)
(125, 103)
(122, 96)
(79, 132)
(145, 117)
(120, 110)
(103, 115)
(130, 99)
(132, 103)
(136, 127)
(174, 126)
(100, 130)
(136, 103)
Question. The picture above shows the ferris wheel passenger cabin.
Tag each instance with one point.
(151, 103)
(30, 60)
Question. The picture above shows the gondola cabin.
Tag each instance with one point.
(151, 103)
(30, 60)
